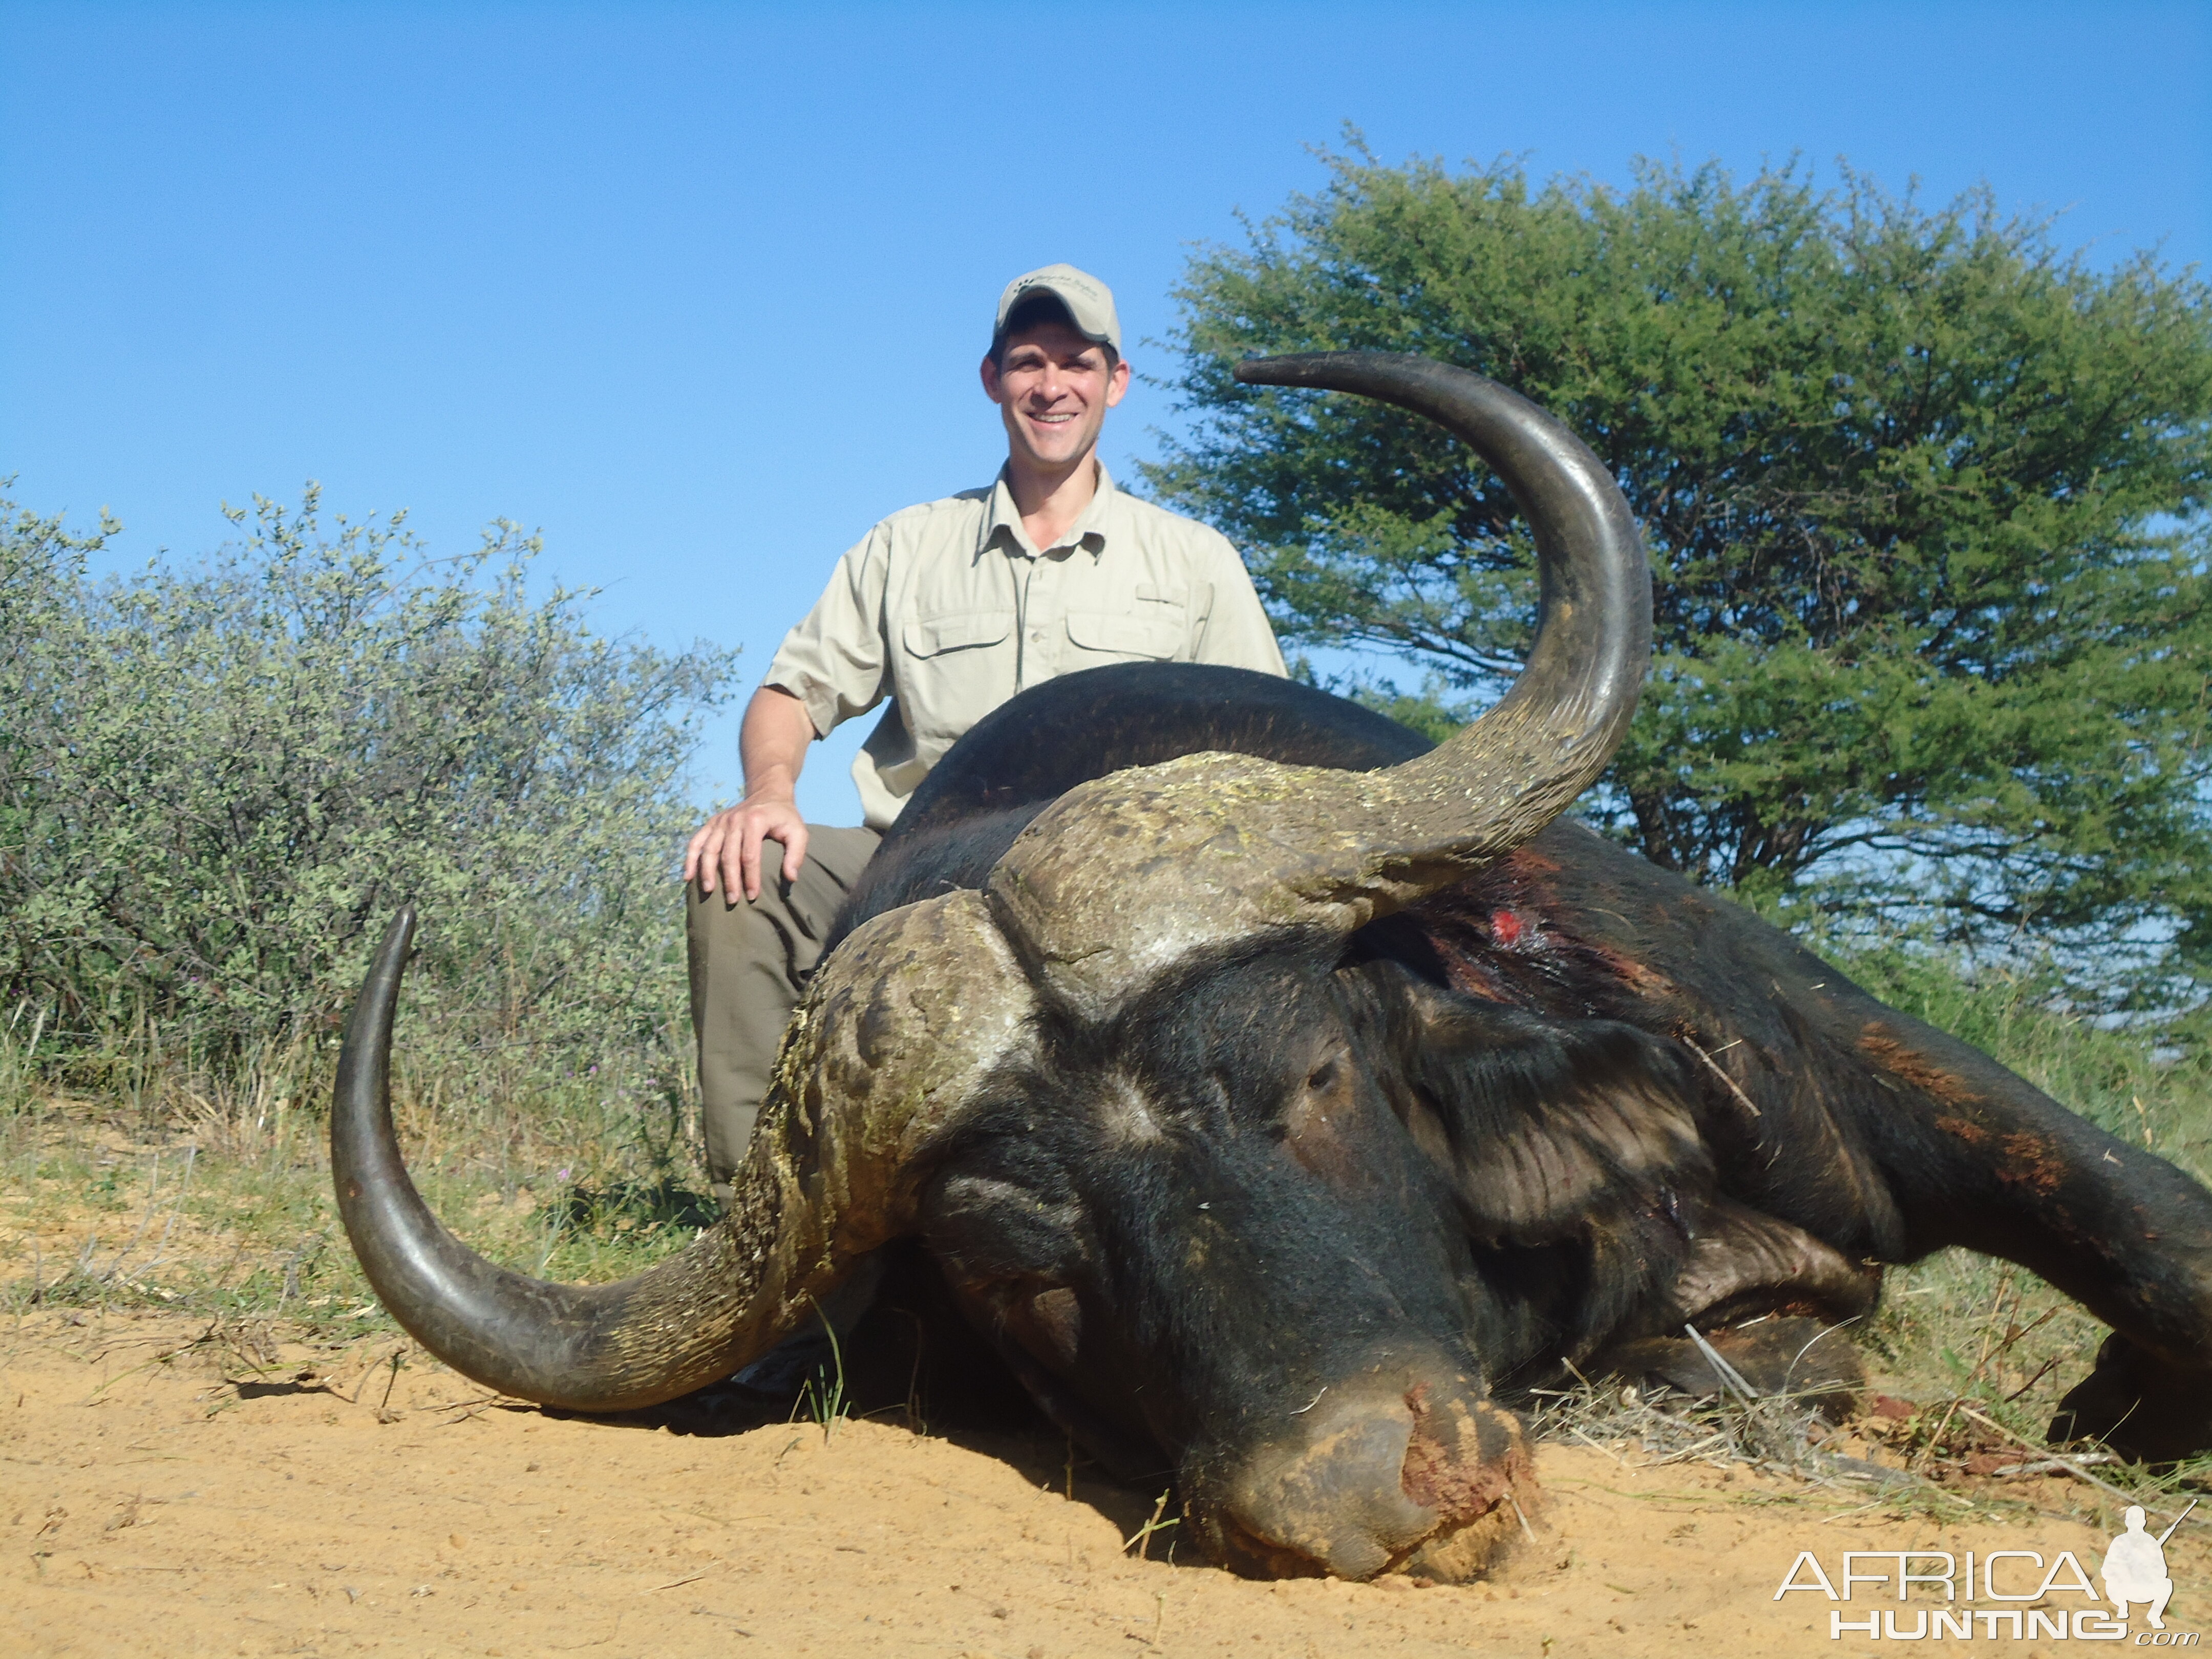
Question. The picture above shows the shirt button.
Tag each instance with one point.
(1036, 639)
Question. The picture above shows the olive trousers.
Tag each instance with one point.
(749, 963)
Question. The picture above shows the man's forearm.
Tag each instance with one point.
(772, 743)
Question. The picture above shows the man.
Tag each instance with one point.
(947, 609)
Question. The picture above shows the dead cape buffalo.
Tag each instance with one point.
(1275, 1093)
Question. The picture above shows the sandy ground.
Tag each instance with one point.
(160, 1496)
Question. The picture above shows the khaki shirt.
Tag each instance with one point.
(948, 609)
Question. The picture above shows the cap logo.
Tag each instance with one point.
(1089, 302)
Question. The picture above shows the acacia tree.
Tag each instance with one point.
(1924, 497)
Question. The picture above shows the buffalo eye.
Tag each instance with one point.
(1322, 1078)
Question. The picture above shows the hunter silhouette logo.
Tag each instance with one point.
(2133, 1572)
(2134, 1567)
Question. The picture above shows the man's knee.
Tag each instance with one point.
(797, 913)
(722, 935)
(749, 960)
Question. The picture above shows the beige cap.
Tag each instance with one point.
(1089, 301)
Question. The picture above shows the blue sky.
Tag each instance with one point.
(699, 290)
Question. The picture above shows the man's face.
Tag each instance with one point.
(1053, 392)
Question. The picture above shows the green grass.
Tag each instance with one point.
(822, 1397)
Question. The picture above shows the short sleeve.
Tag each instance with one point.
(1236, 632)
(836, 661)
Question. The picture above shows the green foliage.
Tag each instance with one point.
(1924, 497)
(217, 784)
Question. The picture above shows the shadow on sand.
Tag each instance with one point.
(911, 1360)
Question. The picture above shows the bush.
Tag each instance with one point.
(217, 785)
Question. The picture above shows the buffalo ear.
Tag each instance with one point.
(1545, 1129)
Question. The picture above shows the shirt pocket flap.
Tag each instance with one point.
(929, 636)
(1139, 636)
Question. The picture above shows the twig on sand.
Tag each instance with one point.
(2048, 1466)
(1845, 1514)
(1520, 1515)
(2059, 1464)
(469, 1409)
(384, 1414)
(1141, 1539)
(1593, 1445)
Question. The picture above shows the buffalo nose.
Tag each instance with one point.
(1428, 1478)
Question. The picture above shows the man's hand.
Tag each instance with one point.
(727, 848)
(772, 743)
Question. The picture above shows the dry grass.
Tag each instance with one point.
(220, 1203)
(1945, 1459)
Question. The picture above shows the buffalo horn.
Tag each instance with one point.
(1122, 877)
(895, 1032)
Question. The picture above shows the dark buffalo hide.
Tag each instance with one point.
(1546, 1117)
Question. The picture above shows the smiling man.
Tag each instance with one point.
(947, 610)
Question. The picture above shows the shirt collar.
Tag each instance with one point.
(1089, 530)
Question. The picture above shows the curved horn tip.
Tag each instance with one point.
(1283, 368)
(399, 935)
(1316, 371)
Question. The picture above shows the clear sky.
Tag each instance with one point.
(699, 290)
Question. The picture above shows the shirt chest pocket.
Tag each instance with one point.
(1155, 627)
(956, 630)
(955, 667)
